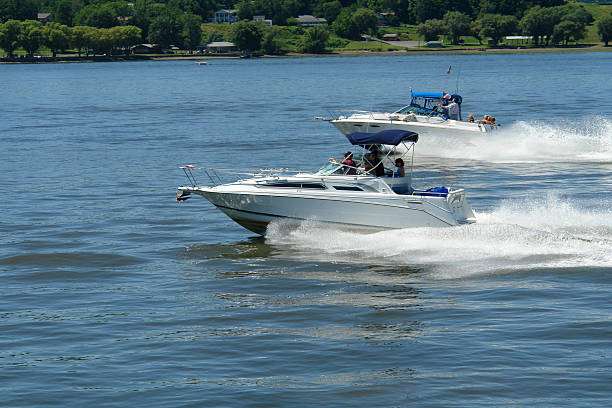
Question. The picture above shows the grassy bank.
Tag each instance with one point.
(355, 50)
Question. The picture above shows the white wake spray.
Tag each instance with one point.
(516, 236)
(583, 140)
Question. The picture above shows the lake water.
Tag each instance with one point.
(115, 295)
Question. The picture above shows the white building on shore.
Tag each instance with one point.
(226, 16)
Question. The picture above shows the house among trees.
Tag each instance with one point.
(45, 17)
(226, 16)
(519, 39)
(262, 19)
(146, 49)
(221, 46)
(391, 37)
(124, 20)
(310, 21)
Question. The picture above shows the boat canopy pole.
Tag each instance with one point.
(411, 165)
(409, 148)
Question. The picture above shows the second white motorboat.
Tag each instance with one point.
(422, 116)
(337, 194)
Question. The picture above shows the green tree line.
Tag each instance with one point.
(105, 13)
(556, 25)
(179, 22)
(32, 34)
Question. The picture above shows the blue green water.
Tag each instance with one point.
(115, 295)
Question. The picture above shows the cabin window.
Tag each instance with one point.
(348, 188)
(314, 186)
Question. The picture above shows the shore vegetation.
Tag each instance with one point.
(100, 27)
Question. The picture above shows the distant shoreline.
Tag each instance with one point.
(407, 51)
(483, 50)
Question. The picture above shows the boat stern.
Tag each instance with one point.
(460, 207)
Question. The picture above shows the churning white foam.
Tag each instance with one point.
(588, 139)
(515, 236)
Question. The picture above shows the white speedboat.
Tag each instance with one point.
(337, 194)
(422, 116)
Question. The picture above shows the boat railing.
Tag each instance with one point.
(456, 197)
(218, 176)
(345, 113)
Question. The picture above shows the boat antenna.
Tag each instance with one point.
(457, 83)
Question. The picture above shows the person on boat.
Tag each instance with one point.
(444, 101)
(374, 165)
(400, 172)
(487, 120)
(452, 109)
(470, 118)
(348, 165)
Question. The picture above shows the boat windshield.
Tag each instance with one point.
(329, 168)
(417, 110)
(422, 106)
(426, 104)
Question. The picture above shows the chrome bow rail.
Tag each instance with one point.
(217, 176)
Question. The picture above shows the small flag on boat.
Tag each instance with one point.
(449, 70)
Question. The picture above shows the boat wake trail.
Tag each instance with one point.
(515, 236)
(584, 140)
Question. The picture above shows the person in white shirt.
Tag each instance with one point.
(452, 110)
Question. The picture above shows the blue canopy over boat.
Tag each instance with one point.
(434, 95)
(388, 137)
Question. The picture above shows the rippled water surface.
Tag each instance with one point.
(115, 295)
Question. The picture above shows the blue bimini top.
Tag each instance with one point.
(388, 137)
(435, 95)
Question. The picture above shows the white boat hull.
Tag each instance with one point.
(254, 210)
(424, 126)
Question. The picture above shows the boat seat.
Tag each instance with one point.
(429, 194)
(433, 192)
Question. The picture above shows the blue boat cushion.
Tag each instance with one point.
(434, 191)
(440, 189)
